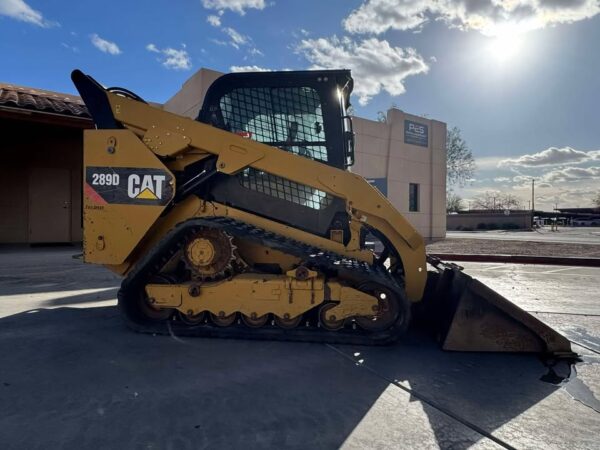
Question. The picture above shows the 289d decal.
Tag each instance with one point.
(123, 185)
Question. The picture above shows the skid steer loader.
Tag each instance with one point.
(247, 223)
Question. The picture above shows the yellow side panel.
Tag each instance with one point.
(125, 189)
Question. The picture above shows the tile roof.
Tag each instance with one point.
(43, 101)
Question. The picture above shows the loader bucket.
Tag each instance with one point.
(469, 316)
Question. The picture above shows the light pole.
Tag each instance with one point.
(533, 195)
(532, 201)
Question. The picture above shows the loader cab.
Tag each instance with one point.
(303, 112)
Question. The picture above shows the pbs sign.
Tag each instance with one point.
(416, 133)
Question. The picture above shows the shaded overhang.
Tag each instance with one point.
(37, 105)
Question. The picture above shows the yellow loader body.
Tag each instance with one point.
(222, 231)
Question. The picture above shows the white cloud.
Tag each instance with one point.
(176, 59)
(490, 17)
(487, 162)
(19, 10)
(248, 69)
(105, 46)
(551, 157)
(566, 197)
(547, 195)
(215, 21)
(377, 16)
(238, 6)
(172, 58)
(70, 47)
(522, 179)
(236, 39)
(568, 185)
(572, 174)
(375, 64)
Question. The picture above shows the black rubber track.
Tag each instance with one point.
(355, 272)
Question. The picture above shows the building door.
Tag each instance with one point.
(49, 205)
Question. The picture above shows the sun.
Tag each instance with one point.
(505, 47)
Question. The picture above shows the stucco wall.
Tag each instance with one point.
(188, 100)
(381, 153)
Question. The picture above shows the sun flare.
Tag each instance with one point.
(505, 47)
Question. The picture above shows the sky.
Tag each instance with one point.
(519, 78)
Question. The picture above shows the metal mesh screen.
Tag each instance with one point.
(288, 118)
(284, 189)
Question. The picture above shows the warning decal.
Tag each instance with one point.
(123, 185)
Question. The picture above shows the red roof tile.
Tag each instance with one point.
(40, 100)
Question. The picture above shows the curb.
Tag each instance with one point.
(520, 259)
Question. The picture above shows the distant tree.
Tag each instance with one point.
(382, 115)
(596, 200)
(454, 203)
(496, 201)
(459, 159)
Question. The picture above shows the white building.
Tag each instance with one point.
(405, 157)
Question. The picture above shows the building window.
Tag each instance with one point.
(413, 197)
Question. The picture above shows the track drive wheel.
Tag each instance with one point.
(392, 309)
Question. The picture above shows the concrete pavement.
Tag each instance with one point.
(71, 376)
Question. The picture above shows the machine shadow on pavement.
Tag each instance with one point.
(77, 378)
(41, 270)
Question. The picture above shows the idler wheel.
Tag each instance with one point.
(388, 309)
(332, 323)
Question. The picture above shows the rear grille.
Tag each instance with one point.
(284, 189)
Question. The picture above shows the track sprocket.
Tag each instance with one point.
(209, 253)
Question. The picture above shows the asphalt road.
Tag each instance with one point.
(565, 235)
(71, 375)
